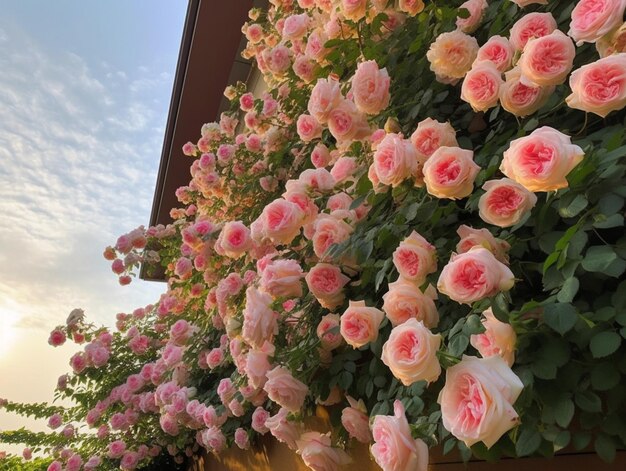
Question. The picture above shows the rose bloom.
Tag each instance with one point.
(315, 49)
(395, 160)
(259, 416)
(370, 88)
(532, 25)
(411, 7)
(470, 238)
(328, 332)
(476, 8)
(326, 282)
(611, 43)
(282, 221)
(344, 169)
(359, 324)
(282, 278)
(415, 258)
(318, 454)
(410, 353)
(592, 19)
(599, 87)
(519, 99)
(283, 429)
(355, 420)
(477, 400)
(547, 60)
(505, 202)
(325, 97)
(474, 275)
(394, 448)
(541, 160)
(353, 10)
(284, 389)
(451, 56)
(430, 135)
(481, 86)
(279, 60)
(329, 230)
(257, 364)
(498, 339)
(497, 50)
(57, 338)
(259, 321)
(405, 301)
(346, 123)
(320, 157)
(305, 68)
(308, 128)
(295, 26)
(450, 173)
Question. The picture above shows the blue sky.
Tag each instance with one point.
(84, 94)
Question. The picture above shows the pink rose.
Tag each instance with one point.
(281, 221)
(279, 59)
(498, 339)
(599, 87)
(282, 278)
(318, 454)
(394, 448)
(611, 43)
(346, 123)
(328, 332)
(498, 50)
(213, 439)
(259, 321)
(116, 449)
(344, 169)
(430, 135)
(505, 202)
(353, 10)
(370, 88)
(592, 19)
(326, 282)
(315, 49)
(283, 429)
(542, 160)
(532, 25)
(450, 173)
(258, 364)
(405, 301)
(359, 324)
(473, 276)
(395, 160)
(27, 453)
(55, 421)
(215, 358)
(320, 157)
(470, 238)
(325, 97)
(242, 439)
(411, 7)
(295, 26)
(415, 258)
(306, 69)
(451, 56)
(355, 420)
(308, 128)
(410, 353)
(57, 338)
(329, 230)
(476, 8)
(477, 400)
(519, 99)
(547, 60)
(284, 389)
(259, 416)
(481, 86)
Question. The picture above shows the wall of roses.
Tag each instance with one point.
(418, 228)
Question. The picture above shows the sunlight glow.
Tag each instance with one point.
(8, 330)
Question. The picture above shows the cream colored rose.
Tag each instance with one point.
(284, 389)
(430, 135)
(355, 420)
(325, 97)
(450, 173)
(470, 238)
(405, 301)
(477, 400)
(499, 339)
(326, 283)
(318, 453)
(592, 19)
(410, 353)
(395, 160)
(370, 88)
(519, 99)
(415, 258)
(451, 56)
(360, 324)
(505, 202)
(481, 86)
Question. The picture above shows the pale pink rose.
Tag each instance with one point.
(74, 463)
(27, 453)
(246, 101)
(183, 268)
(353, 10)
(259, 416)
(474, 275)
(415, 258)
(450, 173)
(505, 202)
(328, 332)
(284, 389)
(499, 339)
(344, 169)
(116, 449)
(281, 221)
(592, 19)
(242, 440)
(599, 87)
(394, 448)
(470, 238)
(315, 49)
(283, 429)
(279, 60)
(295, 26)
(326, 282)
(613, 42)
(370, 88)
(317, 179)
(346, 123)
(356, 421)
(405, 301)
(481, 86)
(476, 8)
(477, 400)
(54, 466)
(55, 421)
(308, 128)
(325, 97)
(282, 278)
(258, 364)
(215, 358)
(213, 439)
(430, 135)
(519, 99)
(329, 230)
(359, 324)
(410, 7)
(57, 338)
(320, 157)
(411, 353)
(498, 50)
(532, 25)
(547, 60)
(451, 56)
(318, 454)
(306, 69)
(541, 160)
(395, 160)
(259, 321)
(339, 201)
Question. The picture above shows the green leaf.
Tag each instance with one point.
(458, 344)
(528, 441)
(605, 448)
(588, 401)
(500, 308)
(571, 208)
(604, 377)
(561, 317)
(604, 344)
(568, 290)
(598, 258)
(448, 445)
(564, 412)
